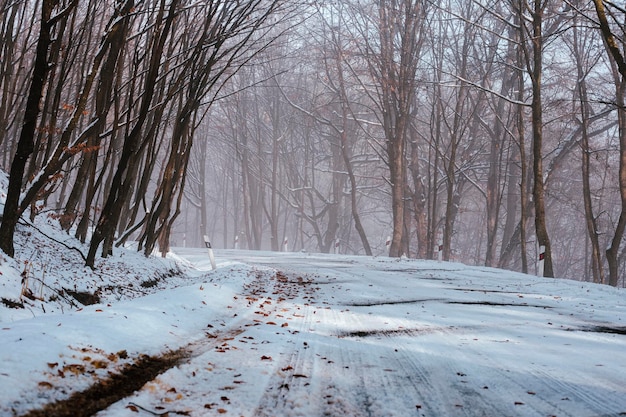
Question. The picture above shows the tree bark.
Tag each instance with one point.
(617, 58)
(541, 229)
(25, 144)
(590, 219)
(400, 47)
(126, 168)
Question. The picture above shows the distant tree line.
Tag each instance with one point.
(478, 131)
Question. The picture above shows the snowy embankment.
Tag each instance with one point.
(271, 334)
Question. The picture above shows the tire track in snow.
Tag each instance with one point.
(534, 386)
(291, 377)
(264, 296)
(305, 379)
(529, 391)
(406, 381)
(407, 376)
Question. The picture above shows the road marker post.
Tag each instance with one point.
(207, 243)
(540, 260)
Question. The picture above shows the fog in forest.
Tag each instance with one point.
(484, 132)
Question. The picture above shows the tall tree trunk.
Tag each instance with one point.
(63, 149)
(400, 29)
(456, 135)
(126, 168)
(181, 140)
(434, 153)
(25, 144)
(613, 251)
(541, 229)
(494, 187)
(275, 117)
(617, 58)
(104, 92)
(590, 219)
(354, 206)
(523, 186)
(419, 200)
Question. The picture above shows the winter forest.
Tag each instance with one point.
(476, 131)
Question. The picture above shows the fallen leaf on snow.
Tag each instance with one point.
(74, 368)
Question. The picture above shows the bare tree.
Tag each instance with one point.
(614, 45)
(533, 54)
(25, 144)
(393, 62)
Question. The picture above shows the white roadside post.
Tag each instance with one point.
(336, 249)
(207, 243)
(286, 245)
(237, 242)
(388, 243)
(541, 259)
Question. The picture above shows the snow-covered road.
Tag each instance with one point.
(393, 338)
(320, 335)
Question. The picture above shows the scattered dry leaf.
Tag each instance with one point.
(75, 368)
(99, 364)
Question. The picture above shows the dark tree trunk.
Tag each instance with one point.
(541, 229)
(617, 58)
(126, 168)
(25, 144)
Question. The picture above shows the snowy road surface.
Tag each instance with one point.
(320, 335)
(388, 337)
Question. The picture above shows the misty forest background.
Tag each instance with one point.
(477, 131)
